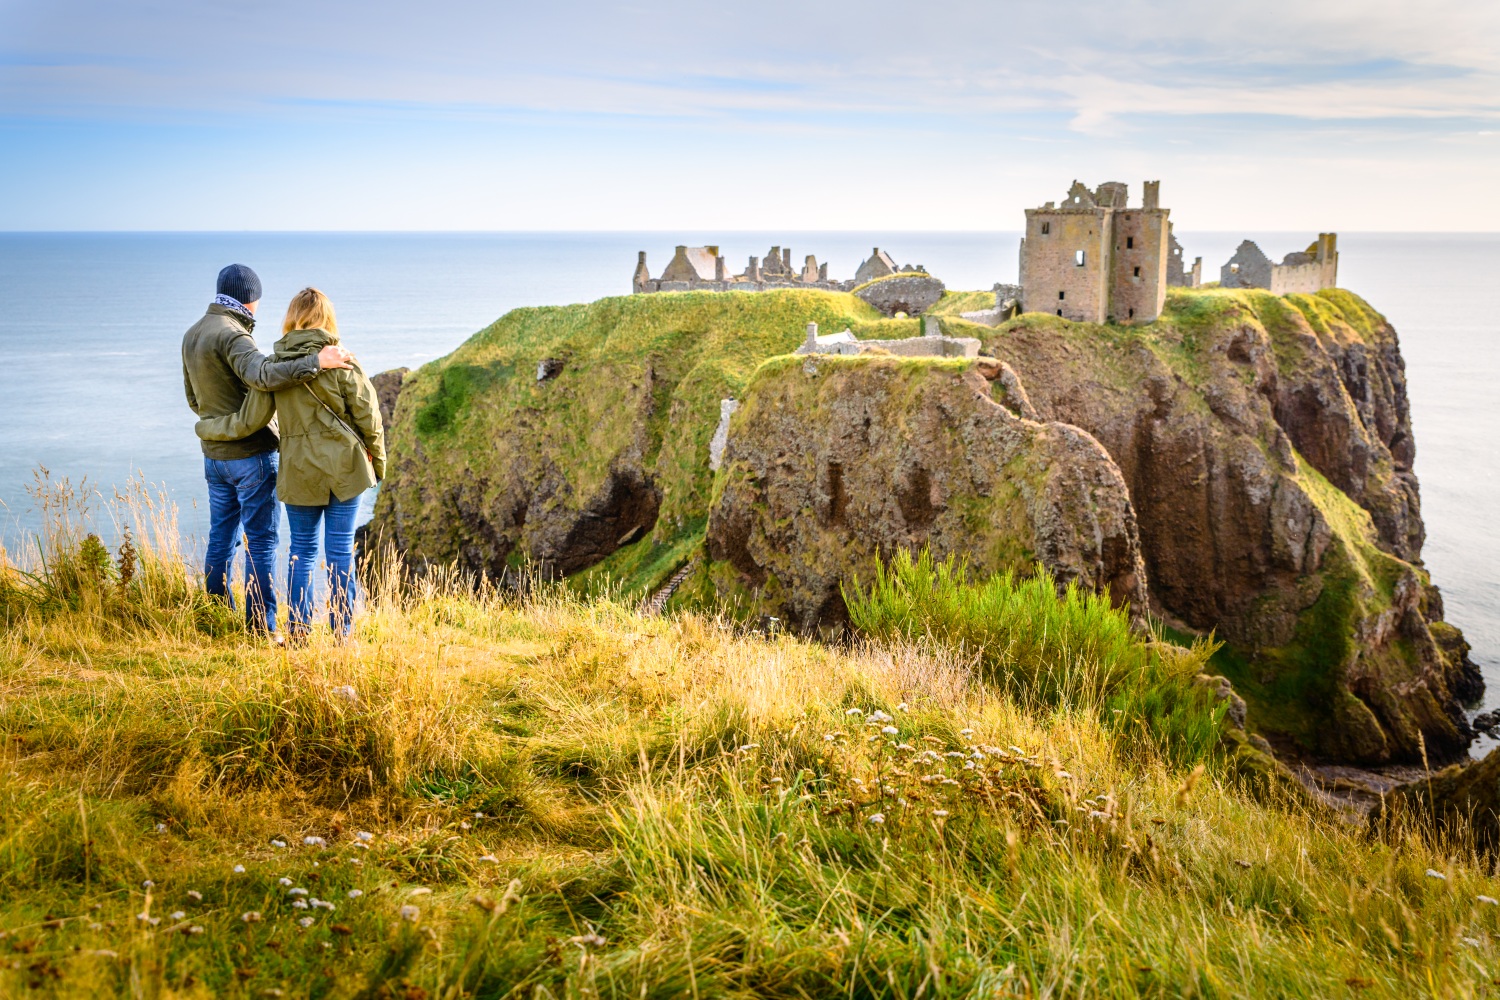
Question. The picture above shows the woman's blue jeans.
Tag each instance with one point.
(337, 518)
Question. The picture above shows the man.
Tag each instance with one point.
(219, 362)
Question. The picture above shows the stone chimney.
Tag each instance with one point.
(1151, 195)
(641, 274)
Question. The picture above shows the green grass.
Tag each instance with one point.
(574, 800)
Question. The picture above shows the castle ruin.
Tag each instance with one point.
(1310, 270)
(1094, 259)
(702, 269)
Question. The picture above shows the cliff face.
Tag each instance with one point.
(560, 436)
(1267, 445)
(833, 461)
(1242, 465)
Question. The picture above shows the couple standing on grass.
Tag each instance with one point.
(332, 449)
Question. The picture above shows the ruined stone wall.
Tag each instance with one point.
(1308, 278)
(1248, 268)
(1139, 273)
(1053, 278)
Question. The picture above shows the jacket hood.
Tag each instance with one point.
(300, 343)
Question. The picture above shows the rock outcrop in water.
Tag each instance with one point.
(1242, 465)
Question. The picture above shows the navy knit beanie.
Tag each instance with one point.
(239, 283)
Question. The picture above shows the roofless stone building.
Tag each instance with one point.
(1094, 259)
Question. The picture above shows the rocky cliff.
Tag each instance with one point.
(1242, 465)
(834, 461)
(1267, 445)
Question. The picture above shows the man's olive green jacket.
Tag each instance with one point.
(220, 364)
(332, 443)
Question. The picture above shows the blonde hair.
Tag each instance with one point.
(310, 310)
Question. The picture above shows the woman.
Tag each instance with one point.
(332, 450)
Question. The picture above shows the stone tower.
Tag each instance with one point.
(1094, 259)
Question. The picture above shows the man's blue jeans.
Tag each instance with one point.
(242, 494)
(337, 517)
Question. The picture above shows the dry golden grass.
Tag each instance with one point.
(580, 801)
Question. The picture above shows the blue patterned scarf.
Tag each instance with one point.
(233, 304)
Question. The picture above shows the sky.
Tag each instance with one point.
(870, 115)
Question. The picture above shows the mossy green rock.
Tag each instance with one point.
(559, 435)
(834, 462)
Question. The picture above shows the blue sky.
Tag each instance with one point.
(450, 114)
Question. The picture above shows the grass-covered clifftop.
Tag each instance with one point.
(491, 796)
(480, 445)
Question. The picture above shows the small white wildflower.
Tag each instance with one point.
(355, 861)
(195, 895)
(323, 904)
(1472, 942)
(464, 824)
(194, 930)
(966, 732)
(363, 847)
(306, 921)
(1063, 774)
(1096, 814)
(489, 859)
(940, 813)
(355, 893)
(1017, 750)
(855, 711)
(1488, 900)
(968, 765)
(827, 737)
(879, 716)
(326, 945)
(890, 730)
(251, 916)
(409, 912)
(296, 892)
(904, 746)
(283, 881)
(479, 815)
(748, 747)
(239, 869)
(314, 841)
(1437, 875)
(147, 884)
(346, 692)
(876, 818)
(178, 915)
(299, 904)
(161, 828)
(902, 707)
(278, 843)
(587, 940)
(147, 918)
(365, 835)
(420, 891)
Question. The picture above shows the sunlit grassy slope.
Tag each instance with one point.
(549, 797)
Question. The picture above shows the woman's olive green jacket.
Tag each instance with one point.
(323, 454)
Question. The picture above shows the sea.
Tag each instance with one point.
(90, 326)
